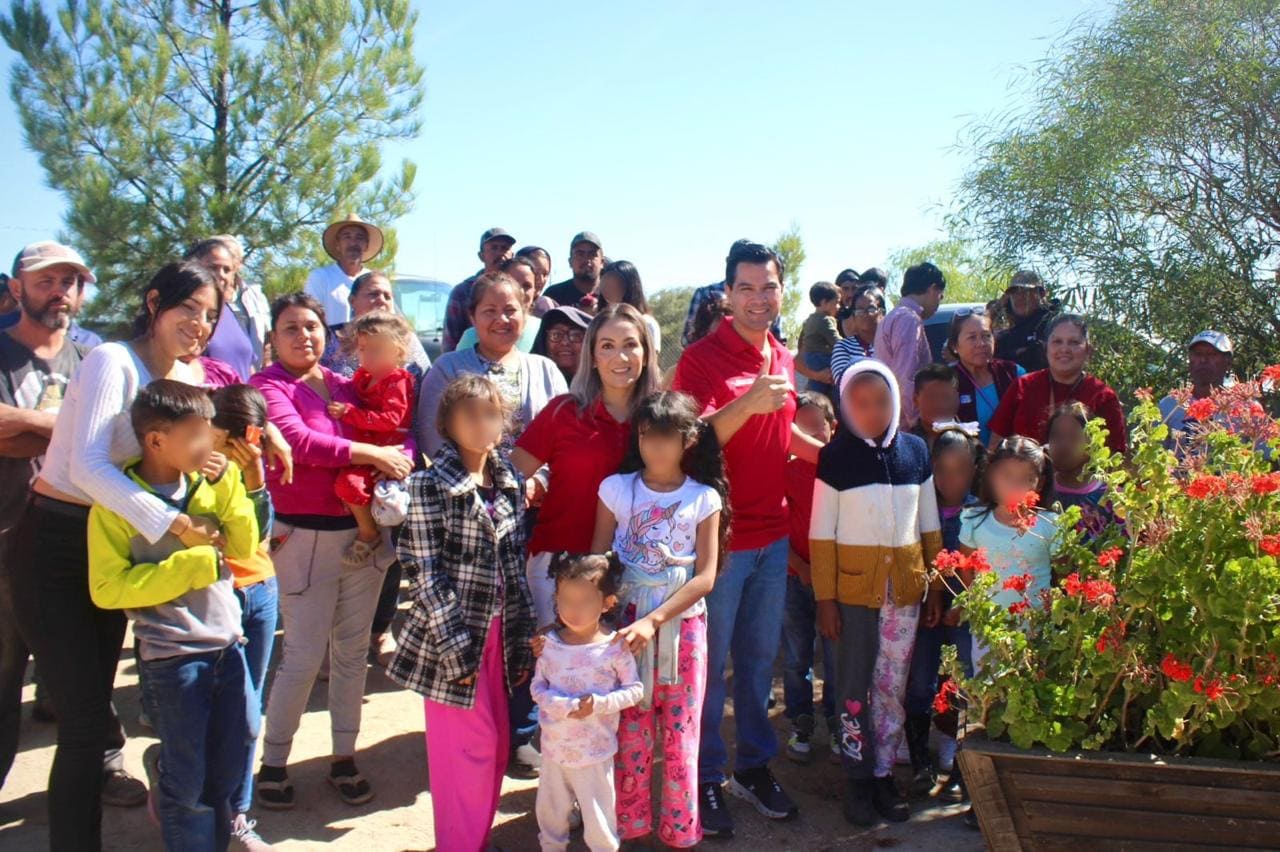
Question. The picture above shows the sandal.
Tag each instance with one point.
(274, 795)
(351, 785)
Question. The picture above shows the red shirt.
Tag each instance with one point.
(385, 413)
(1025, 407)
(800, 478)
(715, 371)
(582, 449)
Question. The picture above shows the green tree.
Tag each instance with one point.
(163, 121)
(790, 247)
(669, 307)
(971, 277)
(1145, 175)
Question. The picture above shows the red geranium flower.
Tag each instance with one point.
(1267, 483)
(1019, 607)
(1110, 638)
(1212, 690)
(977, 561)
(1270, 545)
(942, 701)
(1175, 669)
(1100, 592)
(1201, 409)
(1272, 374)
(947, 561)
(1017, 583)
(1072, 585)
(1109, 557)
(1203, 487)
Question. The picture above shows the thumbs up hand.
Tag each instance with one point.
(768, 393)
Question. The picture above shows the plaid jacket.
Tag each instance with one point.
(465, 568)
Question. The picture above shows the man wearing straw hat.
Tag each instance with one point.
(352, 242)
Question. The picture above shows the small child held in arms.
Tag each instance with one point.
(384, 416)
(817, 419)
(958, 456)
(667, 518)
(1020, 538)
(819, 336)
(875, 528)
(583, 679)
(466, 638)
(937, 398)
(1072, 486)
(185, 614)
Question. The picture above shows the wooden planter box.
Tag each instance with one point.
(1038, 800)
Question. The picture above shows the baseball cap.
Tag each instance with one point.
(46, 253)
(495, 234)
(586, 237)
(1216, 339)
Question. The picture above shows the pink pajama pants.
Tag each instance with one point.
(677, 712)
(467, 756)
(889, 681)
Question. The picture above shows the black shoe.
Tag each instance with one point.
(714, 810)
(888, 801)
(858, 808)
(923, 780)
(971, 819)
(759, 787)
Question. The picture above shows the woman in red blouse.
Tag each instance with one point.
(580, 438)
(1026, 406)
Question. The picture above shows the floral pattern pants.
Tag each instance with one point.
(889, 681)
(677, 713)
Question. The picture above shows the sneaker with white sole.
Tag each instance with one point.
(761, 789)
(798, 746)
(242, 829)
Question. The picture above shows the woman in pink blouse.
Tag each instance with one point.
(323, 605)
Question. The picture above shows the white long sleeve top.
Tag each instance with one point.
(93, 438)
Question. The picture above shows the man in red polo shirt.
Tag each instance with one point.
(743, 379)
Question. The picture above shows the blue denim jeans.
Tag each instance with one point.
(922, 680)
(744, 617)
(260, 612)
(799, 633)
(205, 716)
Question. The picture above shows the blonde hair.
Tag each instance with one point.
(586, 386)
(382, 324)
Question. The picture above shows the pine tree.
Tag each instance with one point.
(164, 121)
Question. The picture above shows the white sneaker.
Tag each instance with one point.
(242, 829)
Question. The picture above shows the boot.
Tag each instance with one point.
(888, 802)
(917, 732)
(858, 807)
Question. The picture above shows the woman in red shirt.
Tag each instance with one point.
(1026, 406)
(580, 438)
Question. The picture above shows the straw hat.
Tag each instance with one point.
(331, 237)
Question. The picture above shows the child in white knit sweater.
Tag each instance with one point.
(582, 680)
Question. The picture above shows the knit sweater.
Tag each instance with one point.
(875, 511)
(93, 438)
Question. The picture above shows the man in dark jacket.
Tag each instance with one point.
(1027, 303)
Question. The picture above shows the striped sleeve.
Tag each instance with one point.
(822, 540)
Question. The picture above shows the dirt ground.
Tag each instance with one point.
(391, 755)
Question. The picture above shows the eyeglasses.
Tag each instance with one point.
(867, 312)
(565, 335)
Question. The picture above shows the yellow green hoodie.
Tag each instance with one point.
(181, 599)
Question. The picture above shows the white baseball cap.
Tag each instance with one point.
(46, 253)
(1216, 339)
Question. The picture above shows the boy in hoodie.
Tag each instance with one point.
(875, 528)
(185, 613)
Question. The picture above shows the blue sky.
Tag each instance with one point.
(672, 129)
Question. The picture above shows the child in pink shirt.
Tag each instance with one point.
(582, 681)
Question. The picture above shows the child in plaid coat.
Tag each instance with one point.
(465, 644)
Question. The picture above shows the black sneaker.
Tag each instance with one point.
(888, 801)
(714, 810)
(759, 787)
(858, 808)
(798, 746)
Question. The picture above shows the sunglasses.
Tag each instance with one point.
(961, 313)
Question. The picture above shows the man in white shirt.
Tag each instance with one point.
(352, 242)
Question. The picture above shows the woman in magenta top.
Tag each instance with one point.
(324, 607)
(580, 438)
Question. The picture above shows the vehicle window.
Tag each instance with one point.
(422, 303)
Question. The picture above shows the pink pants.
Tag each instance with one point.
(467, 756)
(677, 711)
(889, 681)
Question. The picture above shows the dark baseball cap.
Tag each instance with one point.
(496, 234)
(586, 237)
